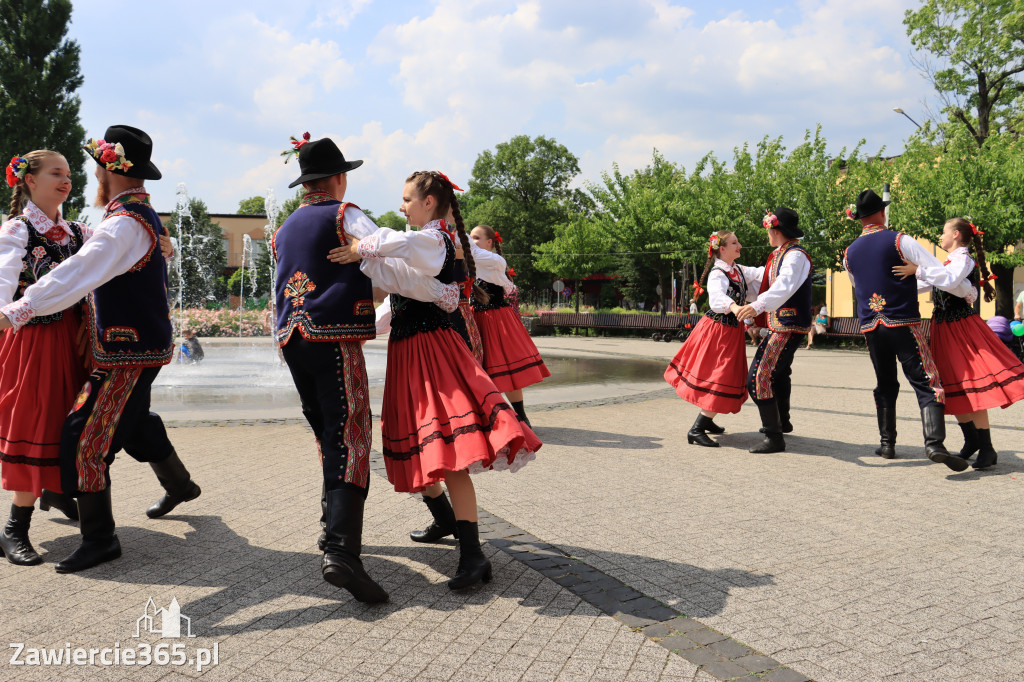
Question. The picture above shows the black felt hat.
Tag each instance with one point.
(322, 159)
(785, 221)
(126, 151)
(868, 204)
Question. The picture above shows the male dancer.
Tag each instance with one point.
(324, 312)
(130, 337)
(784, 308)
(891, 322)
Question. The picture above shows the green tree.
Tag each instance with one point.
(38, 79)
(979, 45)
(579, 249)
(522, 189)
(202, 254)
(393, 220)
(255, 205)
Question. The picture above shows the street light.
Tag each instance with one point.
(900, 111)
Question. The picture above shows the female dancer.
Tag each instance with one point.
(41, 369)
(978, 371)
(442, 416)
(511, 358)
(710, 370)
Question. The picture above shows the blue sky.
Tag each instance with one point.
(410, 85)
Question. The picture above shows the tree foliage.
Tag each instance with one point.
(578, 250)
(255, 205)
(393, 220)
(39, 74)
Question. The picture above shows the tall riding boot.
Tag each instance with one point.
(934, 425)
(341, 565)
(986, 453)
(14, 540)
(64, 503)
(886, 432)
(784, 420)
(971, 443)
(175, 479)
(443, 524)
(772, 429)
(99, 543)
(473, 565)
(321, 542)
(697, 434)
(521, 412)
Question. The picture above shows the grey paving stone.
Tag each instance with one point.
(701, 656)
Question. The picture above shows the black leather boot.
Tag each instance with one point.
(772, 430)
(175, 479)
(986, 453)
(99, 543)
(443, 524)
(473, 565)
(697, 434)
(521, 412)
(886, 432)
(785, 424)
(341, 565)
(63, 503)
(321, 542)
(14, 542)
(714, 428)
(934, 426)
(971, 443)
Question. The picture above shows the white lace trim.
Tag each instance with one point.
(433, 225)
(501, 463)
(42, 223)
(18, 312)
(449, 300)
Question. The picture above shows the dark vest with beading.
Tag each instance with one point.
(129, 316)
(410, 317)
(42, 254)
(323, 301)
(793, 316)
(947, 307)
(496, 293)
(737, 291)
(882, 298)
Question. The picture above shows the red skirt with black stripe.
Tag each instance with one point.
(977, 370)
(511, 358)
(40, 374)
(442, 413)
(710, 370)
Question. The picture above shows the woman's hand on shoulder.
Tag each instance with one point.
(348, 253)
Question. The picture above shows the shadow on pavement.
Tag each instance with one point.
(585, 438)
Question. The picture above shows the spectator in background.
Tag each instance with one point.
(1018, 309)
(191, 351)
(820, 325)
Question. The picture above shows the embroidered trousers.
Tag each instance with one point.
(111, 413)
(768, 378)
(330, 377)
(908, 345)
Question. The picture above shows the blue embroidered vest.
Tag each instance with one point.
(410, 317)
(129, 316)
(323, 301)
(42, 255)
(882, 298)
(793, 316)
(737, 291)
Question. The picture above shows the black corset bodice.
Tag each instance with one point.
(410, 317)
(950, 308)
(497, 294)
(42, 255)
(737, 291)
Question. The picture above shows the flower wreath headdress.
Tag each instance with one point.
(16, 170)
(770, 220)
(713, 242)
(296, 146)
(110, 155)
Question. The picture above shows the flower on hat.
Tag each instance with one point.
(16, 170)
(770, 220)
(297, 144)
(851, 211)
(110, 155)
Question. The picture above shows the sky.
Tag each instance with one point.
(407, 86)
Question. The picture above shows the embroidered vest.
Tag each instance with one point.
(129, 316)
(410, 317)
(947, 307)
(795, 314)
(42, 255)
(737, 291)
(497, 294)
(324, 301)
(882, 298)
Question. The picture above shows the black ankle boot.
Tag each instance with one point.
(971, 443)
(14, 542)
(443, 524)
(521, 412)
(934, 426)
(175, 479)
(697, 434)
(714, 428)
(99, 543)
(772, 430)
(886, 432)
(986, 453)
(321, 542)
(342, 566)
(64, 503)
(473, 565)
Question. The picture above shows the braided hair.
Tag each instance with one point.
(970, 238)
(434, 184)
(20, 191)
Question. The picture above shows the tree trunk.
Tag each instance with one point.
(578, 293)
(1004, 289)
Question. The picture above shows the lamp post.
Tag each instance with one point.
(900, 111)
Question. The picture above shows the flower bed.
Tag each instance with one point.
(224, 322)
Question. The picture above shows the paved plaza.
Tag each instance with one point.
(621, 553)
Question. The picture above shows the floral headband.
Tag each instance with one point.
(110, 155)
(16, 170)
(713, 242)
(296, 146)
(770, 220)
